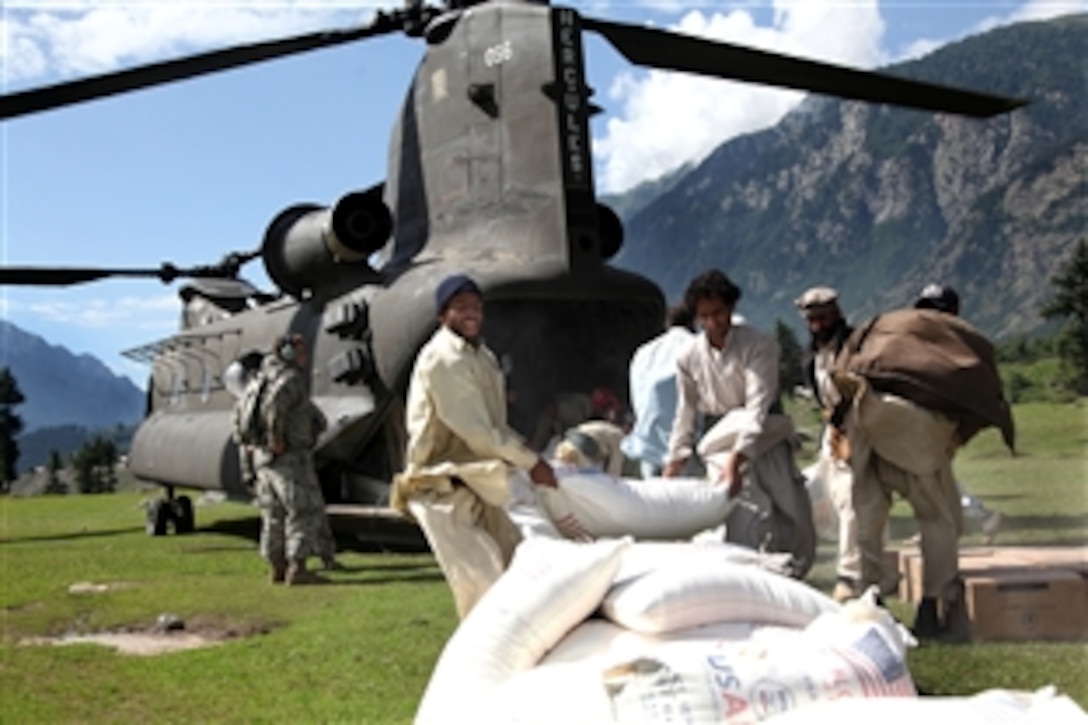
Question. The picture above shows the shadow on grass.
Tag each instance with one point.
(1078, 524)
(987, 498)
(249, 528)
(213, 549)
(1060, 530)
(69, 536)
(425, 562)
(1050, 521)
(434, 575)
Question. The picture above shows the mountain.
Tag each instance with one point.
(629, 203)
(36, 446)
(65, 389)
(879, 201)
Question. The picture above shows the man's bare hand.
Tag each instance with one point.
(839, 445)
(672, 468)
(542, 474)
(730, 474)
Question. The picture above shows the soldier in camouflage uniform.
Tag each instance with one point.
(288, 492)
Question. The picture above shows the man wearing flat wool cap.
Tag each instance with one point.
(465, 465)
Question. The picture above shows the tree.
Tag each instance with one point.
(10, 427)
(94, 466)
(789, 362)
(1070, 302)
(107, 459)
(54, 467)
(1017, 385)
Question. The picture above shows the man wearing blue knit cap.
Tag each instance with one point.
(456, 424)
(452, 286)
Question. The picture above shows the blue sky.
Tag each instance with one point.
(189, 171)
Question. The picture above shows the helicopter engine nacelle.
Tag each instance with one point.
(307, 244)
(610, 229)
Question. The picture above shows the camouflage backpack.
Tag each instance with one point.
(248, 421)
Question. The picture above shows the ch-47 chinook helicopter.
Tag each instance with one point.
(489, 173)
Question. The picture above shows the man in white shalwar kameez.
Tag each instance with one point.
(731, 372)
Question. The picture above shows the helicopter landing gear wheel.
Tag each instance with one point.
(169, 510)
(158, 517)
(182, 513)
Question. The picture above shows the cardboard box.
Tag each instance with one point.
(1028, 604)
(981, 561)
(1074, 558)
(908, 560)
(1015, 593)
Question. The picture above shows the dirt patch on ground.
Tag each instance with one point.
(97, 587)
(156, 640)
(133, 643)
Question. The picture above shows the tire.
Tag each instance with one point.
(184, 519)
(158, 517)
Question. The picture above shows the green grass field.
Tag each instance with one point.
(362, 649)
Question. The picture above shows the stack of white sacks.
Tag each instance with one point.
(602, 630)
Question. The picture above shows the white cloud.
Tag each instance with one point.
(919, 48)
(1045, 9)
(662, 6)
(667, 119)
(96, 325)
(150, 315)
(44, 39)
(21, 56)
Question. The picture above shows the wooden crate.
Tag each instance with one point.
(1015, 593)
(984, 561)
(909, 561)
(1074, 558)
(1028, 604)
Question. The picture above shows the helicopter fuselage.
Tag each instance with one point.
(489, 174)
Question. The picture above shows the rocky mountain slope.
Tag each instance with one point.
(66, 389)
(878, 201)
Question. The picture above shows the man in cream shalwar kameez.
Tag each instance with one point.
(463, 459)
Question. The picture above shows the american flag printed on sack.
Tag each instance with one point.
(880, 671)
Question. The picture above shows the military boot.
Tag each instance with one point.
(329, 563)
(278, 573)
(956, 627)
(927, 625)
(298, 574)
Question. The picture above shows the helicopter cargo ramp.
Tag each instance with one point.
(377, 527)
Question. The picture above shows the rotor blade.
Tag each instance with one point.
(44, 276)
(86, 89)
(672, 51)
(226, 268)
